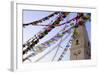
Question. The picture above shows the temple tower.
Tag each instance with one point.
(80, 48)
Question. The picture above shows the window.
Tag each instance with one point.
(88, 44)
(77, 42)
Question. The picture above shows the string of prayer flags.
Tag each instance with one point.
(46, 31)
(72, 24)
(56, 23)
(59, 59)
(43, 33)
(76, 25)
(37, 36)
(60, 18)
(41, 20)
(80, 14)
(62, 55)
(40, 35)
(42, 46)
(65, 14)
(39, 48)
(24, 45)
(28, 57)
(67, 45)
(57, 36)
(66, 49)
(60, 35)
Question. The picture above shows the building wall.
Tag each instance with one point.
(80, 48)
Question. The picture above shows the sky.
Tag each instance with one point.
(29, 31)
